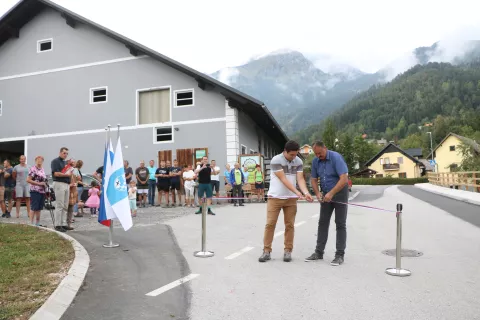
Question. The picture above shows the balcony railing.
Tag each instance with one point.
(391, 166)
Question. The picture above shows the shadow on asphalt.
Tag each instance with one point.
(465, 211)
(118, 278)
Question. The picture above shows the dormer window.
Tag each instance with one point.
(44, 45)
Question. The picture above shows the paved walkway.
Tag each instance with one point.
(461, 195)
(119, 278)
(445, 283)
(465, 211)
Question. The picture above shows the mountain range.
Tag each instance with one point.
(300, 94)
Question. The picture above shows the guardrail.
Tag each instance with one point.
(469, 181)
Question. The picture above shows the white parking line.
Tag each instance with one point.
(316, 215)
(354, 196)
(298, 224)
(282, 232)
(172, 285)
(278, 234)
(238, 253)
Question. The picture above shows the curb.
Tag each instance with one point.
(62, 297)
(448, 195)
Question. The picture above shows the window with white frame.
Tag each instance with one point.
(163, 134)
(243, 150)
(184, 98)
(154, 106)
(98, 95)
(252, 151)
(44, 45)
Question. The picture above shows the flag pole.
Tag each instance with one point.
(110, 243)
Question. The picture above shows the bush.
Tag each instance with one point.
(388, 181)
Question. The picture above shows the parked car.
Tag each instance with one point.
(349, 184)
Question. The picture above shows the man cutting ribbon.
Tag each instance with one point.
(330, 167)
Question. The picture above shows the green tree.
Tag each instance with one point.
(412, 141)
(329, 134)
(471, 158)
(363, 150)
(345, 148)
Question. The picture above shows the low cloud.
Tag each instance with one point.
(226, 75)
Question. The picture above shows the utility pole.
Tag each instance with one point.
(431, 149)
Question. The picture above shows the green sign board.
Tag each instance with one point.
(199, 154)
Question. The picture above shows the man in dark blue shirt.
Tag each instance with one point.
(330, 167)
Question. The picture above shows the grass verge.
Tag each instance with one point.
(32, 264)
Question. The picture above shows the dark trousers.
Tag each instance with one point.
(237, 193)
(151, 191)
(326, 211)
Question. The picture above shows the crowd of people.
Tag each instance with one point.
(170, 182)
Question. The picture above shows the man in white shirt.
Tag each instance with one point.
(189, 185)
(215, 178)
(286, 171)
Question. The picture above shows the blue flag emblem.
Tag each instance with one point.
(117, 186)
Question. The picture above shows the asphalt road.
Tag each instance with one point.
(465, 211)
(233, 285)
(119, 279)
(367, 193)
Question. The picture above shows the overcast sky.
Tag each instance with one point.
(212, 34)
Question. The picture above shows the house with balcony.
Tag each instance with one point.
(306, 150)
(447, 154)
(395, 162)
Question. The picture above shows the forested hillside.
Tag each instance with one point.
(437, 97)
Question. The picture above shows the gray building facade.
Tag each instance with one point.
(63, 79)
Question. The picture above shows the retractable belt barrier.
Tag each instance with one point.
(397, 271)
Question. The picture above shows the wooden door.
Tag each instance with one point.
(164, 155)
(185, 157)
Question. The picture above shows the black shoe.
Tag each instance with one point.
(210, 212)
(264, 257)
(8, 216)
(314, 257)
(199, 211)
(337, 261)
(68, 228)
(241, 205)
(287, 256)
(235, 205)
(4, 215)
(60, 229)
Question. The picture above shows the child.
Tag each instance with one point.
(132, 198)
(93, 201)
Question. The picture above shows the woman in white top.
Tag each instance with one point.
(189, 185)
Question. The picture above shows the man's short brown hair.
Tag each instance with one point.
(292, 146)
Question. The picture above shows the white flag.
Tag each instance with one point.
(116, 192)
(108, 166)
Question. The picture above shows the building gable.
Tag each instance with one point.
(69, 46)
(390, 148)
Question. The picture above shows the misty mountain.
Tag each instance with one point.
(301, 91)
(297, 92)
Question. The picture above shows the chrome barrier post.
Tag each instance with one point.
(398, 271)
(204, 253)
(110, 243)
